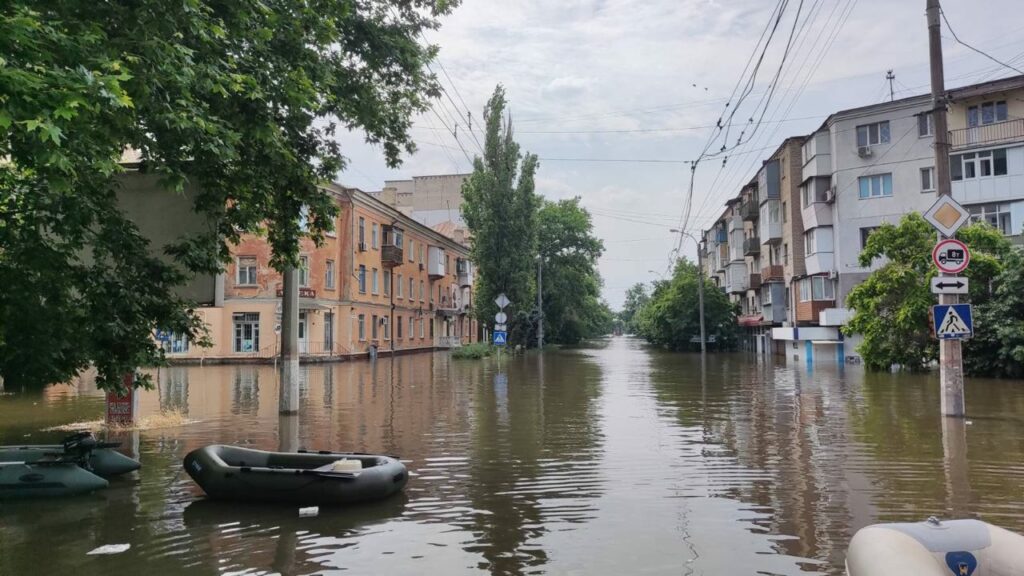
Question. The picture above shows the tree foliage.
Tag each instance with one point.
(242, 99)
(573, 310)
(671, 318)
(636, 298)
(892, 305)
(500, 208)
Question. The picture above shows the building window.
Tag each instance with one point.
(422, 291)
(785, 254)
(422, 322)
(329, 279)
(247, 331)
(785, 217)
(818, 288)
(373, 281)
(362, 232)
(928, 179)
(387, 282)
(864, 233)
(374, 330)
(978, 164)
(871, 134)
(362, 279)
(809, 242)
(447, 264)
(304, 271)
(412, 288)
(386, 323)
(423, 253)
(925, 125)
(304, 218)
(178, 344)
(246, 271)
(997, 215)
(374, 242)
(431, 329)
(398, 323)
(987, 113)
(877, 186)
(412, 328)
(362, 327)
(412, 250)
(398, 291)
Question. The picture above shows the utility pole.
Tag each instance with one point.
(540, 303)
(890, 77)
(288, 401)
(700, 299)
(951, 368)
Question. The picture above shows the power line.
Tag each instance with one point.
(985, 54)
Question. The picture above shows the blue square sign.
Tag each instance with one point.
(500, 338)
(953, 321)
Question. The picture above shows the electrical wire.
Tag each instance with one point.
(965, 44)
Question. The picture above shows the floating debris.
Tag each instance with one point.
(168, 419)
(109, 549)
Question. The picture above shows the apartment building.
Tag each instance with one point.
(380, 280)
(429, 199)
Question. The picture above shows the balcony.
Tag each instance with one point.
(752, 246)
(817, 214)
(750, 319)
(754, 282)
(772, 273)
(749, 211)
(819, 263)
(447, 342)
(464, 270)
(435, 262)
(988, 134)
(391, 255)
(736, 278)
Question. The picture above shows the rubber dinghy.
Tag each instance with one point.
(935, 548)
(100, 458)
(316, 478)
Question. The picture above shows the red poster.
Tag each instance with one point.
(121, 409)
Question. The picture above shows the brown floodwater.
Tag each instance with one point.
(610, 459)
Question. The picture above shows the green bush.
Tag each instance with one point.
(473, 351)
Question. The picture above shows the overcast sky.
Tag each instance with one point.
(647, 79)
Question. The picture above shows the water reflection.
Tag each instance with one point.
(612, 459)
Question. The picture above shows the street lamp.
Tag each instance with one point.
(700, 287)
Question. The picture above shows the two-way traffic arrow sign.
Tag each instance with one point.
(949, 285)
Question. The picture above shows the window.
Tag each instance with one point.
(304, 218)
(447, 264)
(785, 217)
(362, 327)
(997, 215)
(815, 191)
(178, 344)
(304, 271)
(329, 279)
(362, 231)
(422, 322)
(412, 328)
(373, 236)
(925, 125)
(398, 292)
(785, 254)
(928, 179)
(412, 250)
(374, 330)
(387, 282)
(875, 186)
(431, 328)
(978, 164)
(809, 242)
(864, 233)
(986, 113)
(386, 323)
(373, 281)
(422, 293)
(247, 331)
(412, 288)
(871, 134)
(423, 254)
(362, 279)
(329, 331)
(398, 323)
(246, 271)
(816, 288)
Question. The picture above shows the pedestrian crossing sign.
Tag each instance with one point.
(500, 338)
(953, 321)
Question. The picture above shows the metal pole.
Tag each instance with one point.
(288, 401)
(700, 298)
(951, 369)
(540, 303)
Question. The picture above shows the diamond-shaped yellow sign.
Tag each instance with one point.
(947, 215)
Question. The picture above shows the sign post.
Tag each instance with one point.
(122, 409)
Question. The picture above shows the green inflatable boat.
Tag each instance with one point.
(99, 458)
(46, 479)
(305, 478)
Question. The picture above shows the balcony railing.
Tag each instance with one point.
(752, 246)
(447, 342)
(749, 211)
(754, 282)
(391, 255)
(996, 133)
(772, 273)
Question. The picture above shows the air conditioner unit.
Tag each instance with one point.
(362, 246)
(864, 151)
(831, 196)
(833, 274)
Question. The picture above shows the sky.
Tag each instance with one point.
(615, 96)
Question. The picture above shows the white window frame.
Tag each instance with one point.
(412, 327)
(412, 288)
(251, 272)
(398, 291)
(422, 328)
(362, 230)
(977, 113)
(385, 323)
(329, 275)
(386, 280)
(928, 179)
(362, 278)
(412, 250)
(242, 323)
(374, 235)
(926, 121)
(361, 327)
(304, 271)
(876, 188)
(874, 134)
(374, 287)
(817, 289)
(422, 291)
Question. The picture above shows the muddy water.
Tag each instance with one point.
(614, 459)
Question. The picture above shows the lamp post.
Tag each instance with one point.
(700, 287)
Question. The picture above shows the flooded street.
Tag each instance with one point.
(613, 459)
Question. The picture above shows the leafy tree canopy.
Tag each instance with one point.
(672, 316)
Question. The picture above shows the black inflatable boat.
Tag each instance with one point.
(304, 478)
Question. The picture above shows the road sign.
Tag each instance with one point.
(953, 321)
(163, 335)
(949, 285)
(500, 338)
(502, 301)
(501, 317)
(501, 327)
(951, 256)
(947, 215)
(121, 410)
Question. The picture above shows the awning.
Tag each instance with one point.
(310, 305)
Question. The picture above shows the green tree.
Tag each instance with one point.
(891, 306)
(636, 298)
(672, 316)
(500, 209)
(573, 310)
(997, 348)
(242, 99)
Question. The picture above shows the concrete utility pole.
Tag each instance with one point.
(540, 303)
(288, 402)
(951, 368)
(700, 299)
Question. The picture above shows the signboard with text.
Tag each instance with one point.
(121, 409)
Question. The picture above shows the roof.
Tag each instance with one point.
(447, 228)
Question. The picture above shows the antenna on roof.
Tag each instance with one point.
(890, 77)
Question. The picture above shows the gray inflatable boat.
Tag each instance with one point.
(100, 458)
(46, 479)
(302, 478)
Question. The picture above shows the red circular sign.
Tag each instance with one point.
(951, 256)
